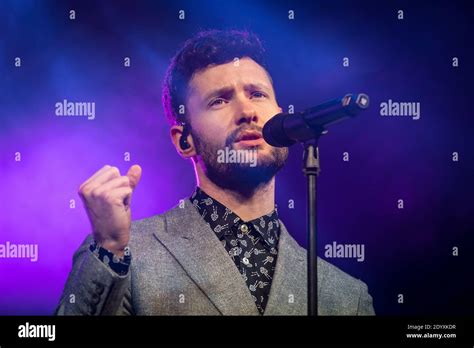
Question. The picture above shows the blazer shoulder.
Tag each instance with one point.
(339, 281)
(143, 228)
(147, 223)
(343, 293)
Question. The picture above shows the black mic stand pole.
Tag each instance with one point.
(311, 169)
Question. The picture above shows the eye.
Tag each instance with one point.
(259, 94)
(216, 102)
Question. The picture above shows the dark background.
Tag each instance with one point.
(407, 251)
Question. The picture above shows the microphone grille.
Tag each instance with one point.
(274, 132)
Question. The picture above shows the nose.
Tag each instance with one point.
(246, 112)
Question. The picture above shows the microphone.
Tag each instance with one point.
(283, 129)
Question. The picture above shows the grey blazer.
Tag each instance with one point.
(179, 267)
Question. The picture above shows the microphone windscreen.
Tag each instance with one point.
(274, 132)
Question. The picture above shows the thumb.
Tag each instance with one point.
(134, 174)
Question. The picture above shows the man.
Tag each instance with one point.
(223, 251)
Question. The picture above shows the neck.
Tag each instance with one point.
(247, 207)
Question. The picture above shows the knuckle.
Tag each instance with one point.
(105, 196)
(83, 186)
(115, 171)
(83, 190)
(95, 193)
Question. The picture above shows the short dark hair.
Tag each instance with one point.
(205, 48)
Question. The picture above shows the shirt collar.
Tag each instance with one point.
(224, 221)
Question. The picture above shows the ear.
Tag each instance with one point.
(176, 132)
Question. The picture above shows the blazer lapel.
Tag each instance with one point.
(196, 247)
(288, 292)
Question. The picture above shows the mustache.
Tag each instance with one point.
(235, 133)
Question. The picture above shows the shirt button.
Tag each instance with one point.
(244, 228)
(245, 261)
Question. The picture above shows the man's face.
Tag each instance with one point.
(228, 105)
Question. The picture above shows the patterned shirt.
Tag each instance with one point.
(252, 245)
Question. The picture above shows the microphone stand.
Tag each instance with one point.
(311, 169)
(311, 125)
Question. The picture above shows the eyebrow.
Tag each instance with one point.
(229, 89)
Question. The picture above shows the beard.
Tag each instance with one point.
(240, 177)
